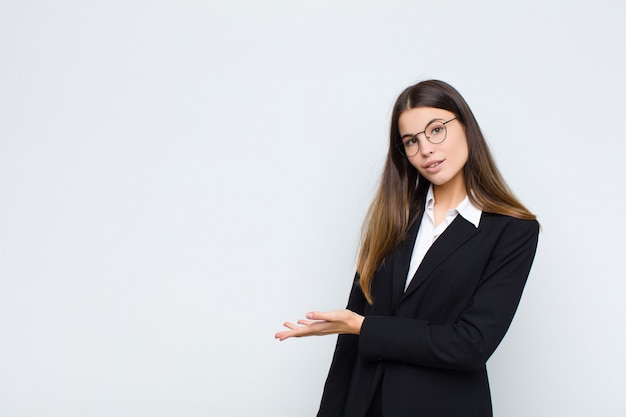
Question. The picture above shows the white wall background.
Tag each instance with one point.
(179, 178)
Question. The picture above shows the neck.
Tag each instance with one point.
(450, 194)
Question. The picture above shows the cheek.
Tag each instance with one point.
(465, 154)
(462, 151)
(414, 161)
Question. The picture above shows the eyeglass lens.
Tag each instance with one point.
(435, 133)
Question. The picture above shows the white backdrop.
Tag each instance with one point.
(179, 178)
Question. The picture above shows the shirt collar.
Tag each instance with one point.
(466, 209)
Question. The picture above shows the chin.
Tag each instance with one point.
(436, 181)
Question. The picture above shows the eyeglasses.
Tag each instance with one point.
(435, 132)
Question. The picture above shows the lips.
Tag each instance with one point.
(432, 164)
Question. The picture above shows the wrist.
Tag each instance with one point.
(358, 322)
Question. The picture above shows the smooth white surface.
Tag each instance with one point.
(179, 178)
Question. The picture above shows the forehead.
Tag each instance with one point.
(415, 120)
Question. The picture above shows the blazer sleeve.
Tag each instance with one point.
(467, 343)
(346, 349)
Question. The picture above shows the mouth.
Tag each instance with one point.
(432, 164)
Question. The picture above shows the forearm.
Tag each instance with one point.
(418, 342)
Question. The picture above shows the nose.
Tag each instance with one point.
(426, 148)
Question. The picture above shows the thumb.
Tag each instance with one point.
(318, 315)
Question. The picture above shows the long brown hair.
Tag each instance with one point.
(402, 190)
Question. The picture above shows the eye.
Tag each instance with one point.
(409, 141)
(436, 129)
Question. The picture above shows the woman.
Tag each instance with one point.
(445, 253)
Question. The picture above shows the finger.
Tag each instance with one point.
(282, 335)
(305, 322)
(319, 315)
(296, 331)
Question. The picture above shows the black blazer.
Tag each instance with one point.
(426, 348)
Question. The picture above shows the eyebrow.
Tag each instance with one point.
(414, 134)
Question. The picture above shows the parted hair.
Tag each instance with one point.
(402, 190)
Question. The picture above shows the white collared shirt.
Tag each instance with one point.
(428, 233)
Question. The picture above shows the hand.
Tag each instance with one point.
(321, 324)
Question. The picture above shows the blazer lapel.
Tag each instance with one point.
(401, 262)
(455, 235)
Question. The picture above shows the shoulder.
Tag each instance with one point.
(511, 225)
(502, 219)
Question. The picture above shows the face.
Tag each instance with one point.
(442, 163)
